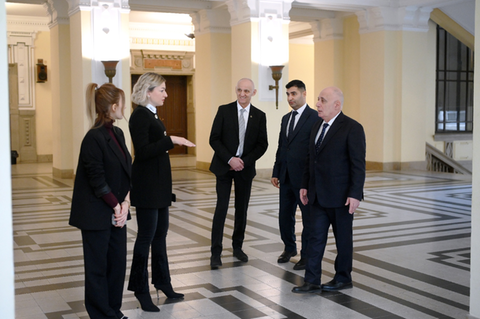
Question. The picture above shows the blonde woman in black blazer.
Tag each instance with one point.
(151, 189)
(101, 202)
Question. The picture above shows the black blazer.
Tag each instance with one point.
(338, 170)
(101, 168)
(292, 151)
(151, 171)
(224, 139)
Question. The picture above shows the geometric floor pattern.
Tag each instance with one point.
(411, 252)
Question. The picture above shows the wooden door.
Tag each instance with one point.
(173, 113)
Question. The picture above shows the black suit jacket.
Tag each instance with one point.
(224, 139)
(151, 171)
(338, 170)
(292, 151)
(101, 168)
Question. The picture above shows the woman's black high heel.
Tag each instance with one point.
(168, 291)
(146, 302)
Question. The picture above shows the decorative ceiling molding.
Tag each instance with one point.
(75, 6)
(58, 12)
(242, 11)
(211, 21)
(394, 19)
(327, 29)
(29, 24)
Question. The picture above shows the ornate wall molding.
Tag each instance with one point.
(165, 62)
(157, 41)
(327, 29)
(21, 51)
(27, 24)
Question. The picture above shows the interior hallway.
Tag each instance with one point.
(411, 258)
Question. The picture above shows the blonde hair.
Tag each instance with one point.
(146, 83)
(100, 100)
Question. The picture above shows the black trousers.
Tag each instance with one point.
(105, 258)
(342, 224)
(152, 231)
(289, 200)
(243, 187)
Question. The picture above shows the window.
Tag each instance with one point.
(454, 100)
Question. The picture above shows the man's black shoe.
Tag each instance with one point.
(240, 255)
(300, 265)
(215, 261)
(307, 288)
(334, 285)
(285, 256)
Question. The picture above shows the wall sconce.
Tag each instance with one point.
(110, 69)
(276, 75)
(41, 71)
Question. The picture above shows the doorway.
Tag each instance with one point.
(173, 113)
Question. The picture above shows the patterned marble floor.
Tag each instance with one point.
(411, 257)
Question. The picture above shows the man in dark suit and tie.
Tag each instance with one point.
(239, 139)
(333, 186)
(288, 170)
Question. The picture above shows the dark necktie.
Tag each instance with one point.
(292, 124)
(320, 138)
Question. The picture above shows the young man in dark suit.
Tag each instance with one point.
(288, 170)
(239, 139)
(333, 186)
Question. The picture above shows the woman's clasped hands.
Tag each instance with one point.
(121, 214)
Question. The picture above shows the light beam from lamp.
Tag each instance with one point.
(110, 69)
(276, 75)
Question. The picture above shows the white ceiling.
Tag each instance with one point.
(27, 10)
(155, 11)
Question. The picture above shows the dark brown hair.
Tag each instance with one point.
(100, 100)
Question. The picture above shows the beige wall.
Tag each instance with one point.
(300, 67)
(125, 84)
(371, 100)
(43, 101)
(61, 97)
(81, 35)
(351, 82)
(329, 64)
(413, 98)
(430, 86)
(213, 87)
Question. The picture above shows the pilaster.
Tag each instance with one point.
(60, 81)
(212, 78)
(329, 46)
(98, 32)
(393, 60)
